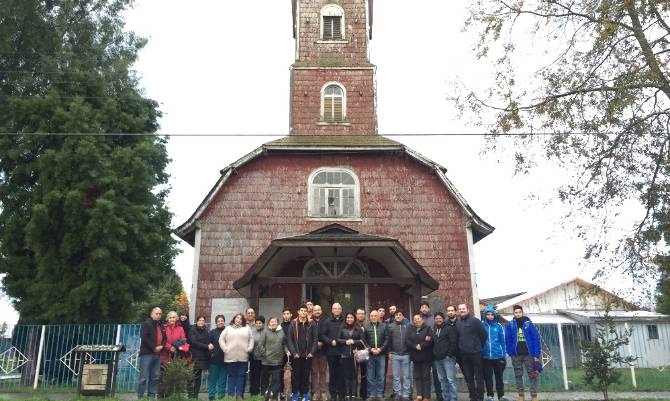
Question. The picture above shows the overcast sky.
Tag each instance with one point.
(214, 65)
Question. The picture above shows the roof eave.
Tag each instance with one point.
(480, 228)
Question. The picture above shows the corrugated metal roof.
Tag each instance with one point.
(545, 318)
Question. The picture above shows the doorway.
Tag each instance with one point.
(350, 296)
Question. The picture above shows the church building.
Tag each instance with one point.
(334, 211)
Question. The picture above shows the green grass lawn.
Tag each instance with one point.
(647, 380)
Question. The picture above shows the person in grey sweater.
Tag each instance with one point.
(272, 348)
(255, 387)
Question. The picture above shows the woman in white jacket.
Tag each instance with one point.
(237, 342)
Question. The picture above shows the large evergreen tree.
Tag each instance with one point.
(84, 228)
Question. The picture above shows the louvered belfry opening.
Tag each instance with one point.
(332, 28)
(333, 98)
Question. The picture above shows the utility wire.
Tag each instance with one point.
(213, 134)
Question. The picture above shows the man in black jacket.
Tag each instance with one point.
(152, 340)
(471, 339)
(329, 331)
(377, 340)
(445, 349)
(302, 343)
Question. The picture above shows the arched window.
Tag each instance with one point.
(333, 193)
(332, 22)
(333, 103)
(335, 268)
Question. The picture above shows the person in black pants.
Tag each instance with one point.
(349, 339)
(363, 366)
(287, 315)
(471, 339)
(255, 365)
(302, 343)
(198, 338)
(329, 332)
(419, 344)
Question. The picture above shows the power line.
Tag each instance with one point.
(214, 134)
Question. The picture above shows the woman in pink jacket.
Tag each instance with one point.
(173, 334)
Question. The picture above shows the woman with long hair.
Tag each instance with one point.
(349, 340)
(237, 342)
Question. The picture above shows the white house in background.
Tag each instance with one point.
(578, 304)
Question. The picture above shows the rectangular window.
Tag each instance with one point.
(652, 331)
(332, 28)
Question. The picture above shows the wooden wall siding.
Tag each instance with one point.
(306, 101)
(311, 50)
(567, 296)
(267, 199)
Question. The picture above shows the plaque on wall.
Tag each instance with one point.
(228, 307)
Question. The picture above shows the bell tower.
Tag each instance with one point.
(333, 88)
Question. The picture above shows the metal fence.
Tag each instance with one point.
(42, 357)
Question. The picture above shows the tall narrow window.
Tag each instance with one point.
(333, 193)
(333, 109)
(332, 22)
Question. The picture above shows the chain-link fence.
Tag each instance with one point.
(42, 357)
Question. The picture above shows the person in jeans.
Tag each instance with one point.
(319, 379)
(377, 340)
(272, 347)
(152, 341)
(302, 345)
(493, 354)
(471, 339)
(255, 365)
(237, 342)
(400, 363)
(349, 340)
(445, 348)
(198, 338)
(329, 331)
(218, 370)
(419, 342)
(524, 346)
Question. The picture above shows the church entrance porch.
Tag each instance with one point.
(335, 264)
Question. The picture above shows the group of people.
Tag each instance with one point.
(346, 356)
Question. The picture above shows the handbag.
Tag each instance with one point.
(362, 355)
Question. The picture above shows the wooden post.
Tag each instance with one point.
(632, 365)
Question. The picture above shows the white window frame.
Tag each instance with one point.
(344, 102)
(313, 210)
(332, 10)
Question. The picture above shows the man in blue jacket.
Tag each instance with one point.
(524, 346)
(493, 354)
